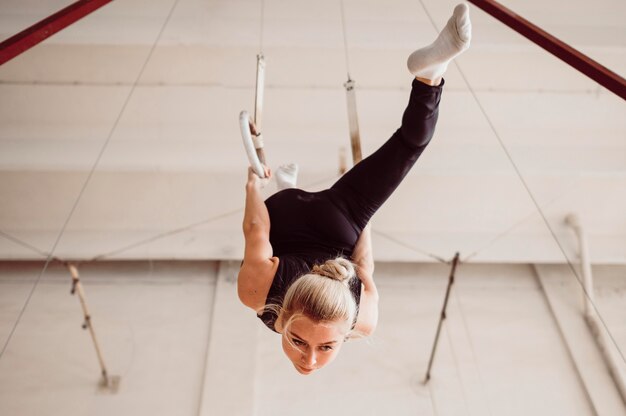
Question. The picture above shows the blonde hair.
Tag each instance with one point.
(323, 295)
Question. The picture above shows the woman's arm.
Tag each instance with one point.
(259, 266)
(256, 216)
(362, 257)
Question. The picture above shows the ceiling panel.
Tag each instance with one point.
(174, 159)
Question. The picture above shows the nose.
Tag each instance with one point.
(309, 359)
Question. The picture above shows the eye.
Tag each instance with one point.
(326, 348)
(297, 342)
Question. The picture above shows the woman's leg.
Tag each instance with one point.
(363, 189)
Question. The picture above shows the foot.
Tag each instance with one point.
(287, 176)
(431, 62)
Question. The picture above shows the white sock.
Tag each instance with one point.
(286, 176)
(432, 61)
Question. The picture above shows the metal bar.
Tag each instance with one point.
(556, 47)
(612, 361)
(77, 287)
(353, 121)
(258, 105)
(343, 160)
(455, 262)
(42, 30)
(587, 281)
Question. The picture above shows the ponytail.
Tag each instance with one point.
(323, 295)
(339, 269)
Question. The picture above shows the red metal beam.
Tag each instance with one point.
(38, 32)
(556, 47)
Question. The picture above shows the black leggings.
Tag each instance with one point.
(327, 223)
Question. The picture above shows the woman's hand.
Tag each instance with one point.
(255, 181)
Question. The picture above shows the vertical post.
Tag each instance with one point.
(455, 262)
(258, 106)
(353, 121)
(343, 160)
(612, 360)
(77, 287)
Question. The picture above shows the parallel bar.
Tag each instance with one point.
(38, 32)
(561, 50)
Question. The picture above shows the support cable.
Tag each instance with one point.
(503, 234)
(169, 233)
(262, 27)
(196, 224)
(24, 244)
(164, 234)
(50, 256)
(179, 230)
(410, 247)
(345, 38)
(526, 187)
(457, 370)
(468, 334)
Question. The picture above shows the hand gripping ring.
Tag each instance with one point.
(248, 144)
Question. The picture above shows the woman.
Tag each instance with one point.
(309, 275)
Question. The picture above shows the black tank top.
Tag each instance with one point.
(290, 269)
(307, 228)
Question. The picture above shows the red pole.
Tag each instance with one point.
(556, 47)
(38, 32)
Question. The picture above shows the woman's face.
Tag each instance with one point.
(310, 345)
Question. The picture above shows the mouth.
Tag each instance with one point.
(304, 370)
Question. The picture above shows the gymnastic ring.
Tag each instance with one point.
(248, 144)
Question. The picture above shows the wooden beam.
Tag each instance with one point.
(556, 47)
(26, 39)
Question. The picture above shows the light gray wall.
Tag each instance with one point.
(153, 323)
(182, 344)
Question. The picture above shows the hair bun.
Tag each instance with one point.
(339, 269)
